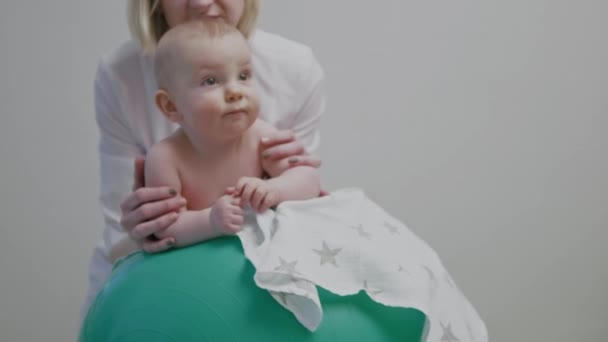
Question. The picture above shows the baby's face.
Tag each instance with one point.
(214, 92)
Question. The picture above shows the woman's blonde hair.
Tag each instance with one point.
(148, 24)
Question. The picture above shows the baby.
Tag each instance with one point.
(204, 73)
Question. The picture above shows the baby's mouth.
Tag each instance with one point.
(236, 112)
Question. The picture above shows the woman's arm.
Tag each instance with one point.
(143, 211)
(300, 145)
(306, 126)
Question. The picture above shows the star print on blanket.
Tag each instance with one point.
(345, 243)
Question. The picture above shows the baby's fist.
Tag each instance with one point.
(260, 194)
(226, 215)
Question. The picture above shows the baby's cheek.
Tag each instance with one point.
(254, 101)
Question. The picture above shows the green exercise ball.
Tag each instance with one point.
(206, 293)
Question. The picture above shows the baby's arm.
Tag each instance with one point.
(298, 183)
(191, 226)
(295, 183)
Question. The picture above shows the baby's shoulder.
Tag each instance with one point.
(165, 151)
(160, 168)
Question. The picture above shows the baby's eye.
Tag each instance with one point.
(244, 76)
(210, 81)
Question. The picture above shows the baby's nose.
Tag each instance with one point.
(233, 95)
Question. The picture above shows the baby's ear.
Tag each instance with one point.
(166, 105)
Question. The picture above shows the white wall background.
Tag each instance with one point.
(481, 124)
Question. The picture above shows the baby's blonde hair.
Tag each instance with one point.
(148, 24)
(170, 48)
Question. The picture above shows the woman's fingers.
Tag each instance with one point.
(284, 150)
(280, 144)
(279, 138)
(155, 246)
(143, 230)
(151, 210)
(144, 195)
(304, 160)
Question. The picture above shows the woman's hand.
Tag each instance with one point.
(281, 151)
(147, 211)
(283, 146)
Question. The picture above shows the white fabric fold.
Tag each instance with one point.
(345, 243)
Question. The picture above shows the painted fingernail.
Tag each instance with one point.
(265, 155)
(172, 192)
(293, 160)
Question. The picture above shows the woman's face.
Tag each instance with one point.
(180, 11)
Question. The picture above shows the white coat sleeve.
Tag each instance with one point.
(117, 152)
(307, 120)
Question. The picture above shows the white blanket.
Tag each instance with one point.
(345, 243)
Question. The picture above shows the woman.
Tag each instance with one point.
(289, 81)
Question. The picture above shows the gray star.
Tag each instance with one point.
(369, 290)
(448, 335)
(289, 267)
(361, 231)
(393, 229)
(327, 254)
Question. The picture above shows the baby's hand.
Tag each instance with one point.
(227, 215)
(260, 194)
